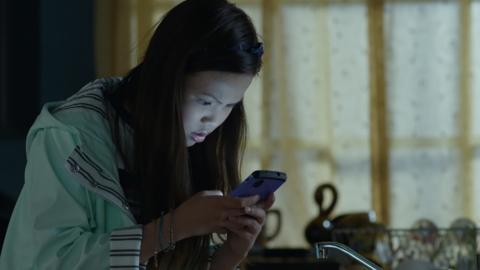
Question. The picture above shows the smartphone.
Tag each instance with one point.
(261, 182)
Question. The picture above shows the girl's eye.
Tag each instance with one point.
(204, 102)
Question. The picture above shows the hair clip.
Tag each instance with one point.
(256, 50)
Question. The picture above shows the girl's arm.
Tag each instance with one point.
(223, 260)
(54, 226)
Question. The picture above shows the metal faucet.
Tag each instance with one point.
(326, 250)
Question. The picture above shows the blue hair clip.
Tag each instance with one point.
(256, 50)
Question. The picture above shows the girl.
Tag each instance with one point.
(130, 172)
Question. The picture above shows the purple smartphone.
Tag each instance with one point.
(261, 183)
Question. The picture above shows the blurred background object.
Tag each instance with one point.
(269, 231)
(6, 207)
(379, 97)
(321, 228)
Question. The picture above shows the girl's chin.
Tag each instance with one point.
(190, 142)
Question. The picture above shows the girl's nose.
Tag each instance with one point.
(213, 118)
(210, 118)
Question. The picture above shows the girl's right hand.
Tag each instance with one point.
(208, 212)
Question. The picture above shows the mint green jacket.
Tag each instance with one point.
(72, 212)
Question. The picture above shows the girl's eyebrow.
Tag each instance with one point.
(214, 97)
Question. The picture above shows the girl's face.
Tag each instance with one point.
(209, 98)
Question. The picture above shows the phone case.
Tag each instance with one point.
(260, 183)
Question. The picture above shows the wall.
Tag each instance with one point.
(65, 61)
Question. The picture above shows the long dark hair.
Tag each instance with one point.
(195, 36)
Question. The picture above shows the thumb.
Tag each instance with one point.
(211, 193)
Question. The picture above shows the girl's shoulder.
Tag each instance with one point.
(78, 131)
(85, 115)
(88, 102)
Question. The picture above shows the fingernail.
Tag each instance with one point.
(248, 209)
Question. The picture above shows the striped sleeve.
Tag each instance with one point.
(125, 246)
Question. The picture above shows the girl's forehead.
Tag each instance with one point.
(218, 83)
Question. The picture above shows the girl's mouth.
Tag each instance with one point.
(198, 137)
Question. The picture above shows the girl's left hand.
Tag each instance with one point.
(243, 230)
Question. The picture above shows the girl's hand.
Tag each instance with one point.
(243, 231)
(267, 204)
(208, 212)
